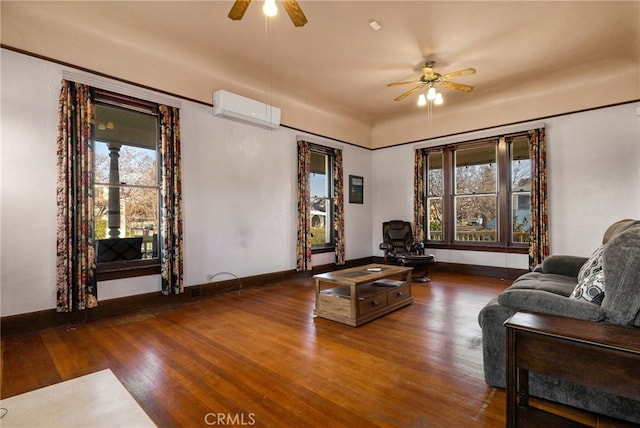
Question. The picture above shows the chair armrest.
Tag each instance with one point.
(417, 248)
(388, 248)
(562, 265)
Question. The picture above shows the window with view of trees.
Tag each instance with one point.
(322, 197)
(126, 178)
(478, 193)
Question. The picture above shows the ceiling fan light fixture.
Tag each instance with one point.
(438, 99)
(431, 93)
(270, 9)
(422, 100)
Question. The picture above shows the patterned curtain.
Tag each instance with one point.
(171, 210)
(338, 181)
(303, 245)
(539, 247)
(418, 198)
(76, 258)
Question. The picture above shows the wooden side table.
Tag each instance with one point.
(599, 355)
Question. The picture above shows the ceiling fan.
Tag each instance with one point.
(291, 6)
(428, 80)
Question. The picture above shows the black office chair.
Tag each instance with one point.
(400, 248)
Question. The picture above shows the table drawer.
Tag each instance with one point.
(398, 293)
(372, 303)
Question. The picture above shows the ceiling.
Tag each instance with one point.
(337, 62)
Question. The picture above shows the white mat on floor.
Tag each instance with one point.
(94, 400)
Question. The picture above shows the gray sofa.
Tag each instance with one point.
(551, 289)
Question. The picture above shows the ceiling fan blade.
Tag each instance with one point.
(465, 72)
(238, 9)
(295, 13)
(409, 92)
(457, 86)
(403, 83)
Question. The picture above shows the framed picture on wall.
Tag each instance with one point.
(356, 188)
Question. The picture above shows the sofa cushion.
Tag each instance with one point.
(553, 283)
(621, 302)
(617, 228)
(593, 265)
(591, 289)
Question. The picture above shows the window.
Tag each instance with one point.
(478, 193)
(322, 196)
(126, 182)
(435, 197)
(520, 190)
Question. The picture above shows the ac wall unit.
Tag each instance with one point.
(233, 106)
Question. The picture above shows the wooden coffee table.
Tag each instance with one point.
(357, 295)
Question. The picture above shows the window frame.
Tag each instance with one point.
(140, 267)
(331, 209)
(503, 242)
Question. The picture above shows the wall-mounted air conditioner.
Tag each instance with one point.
(233, 106)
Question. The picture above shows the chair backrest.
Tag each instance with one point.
(398, 233)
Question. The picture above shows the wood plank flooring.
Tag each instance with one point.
(258, 357)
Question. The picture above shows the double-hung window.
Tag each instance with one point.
(322, 194)
(477, 194)
(126, 185)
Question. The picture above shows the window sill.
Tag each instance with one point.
(319, 250)
(127, 269)
(496, 248)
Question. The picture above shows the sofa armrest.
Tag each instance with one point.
(550, 303)
(562, 265)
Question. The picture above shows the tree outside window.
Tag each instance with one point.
(322, 198)
(126, 177)
(479, 193)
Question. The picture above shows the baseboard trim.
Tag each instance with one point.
(35, 321)
(491, 271)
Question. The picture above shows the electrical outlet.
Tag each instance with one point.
(195, 292)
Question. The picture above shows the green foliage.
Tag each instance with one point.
(100, 227)
(319, 234)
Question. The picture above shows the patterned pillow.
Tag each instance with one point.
(593, 265)
(591, 289)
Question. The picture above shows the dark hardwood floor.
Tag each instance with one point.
(258, 357)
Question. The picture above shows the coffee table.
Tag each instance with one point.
(358, 295)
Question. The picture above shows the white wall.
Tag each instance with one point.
(239, 185)
(594, 180)
(239, 190)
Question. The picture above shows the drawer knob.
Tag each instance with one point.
(399, 293)
(374, 303)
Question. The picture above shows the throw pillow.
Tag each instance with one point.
(591, 289)
(593, 265)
